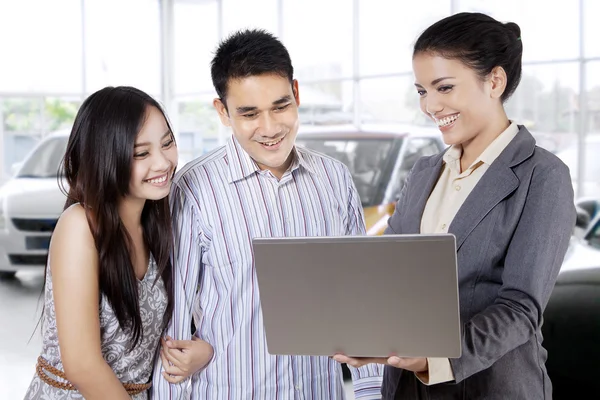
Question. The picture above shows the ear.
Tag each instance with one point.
(296, 92)
(498, 80)
(222, 111)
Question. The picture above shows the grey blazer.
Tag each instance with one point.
(512, 234)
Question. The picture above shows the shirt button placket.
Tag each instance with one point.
(298, 394)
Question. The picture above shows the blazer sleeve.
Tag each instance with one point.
(531, 266)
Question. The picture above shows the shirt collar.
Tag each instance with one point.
(489, 155)
(241, 165)
(492, 152)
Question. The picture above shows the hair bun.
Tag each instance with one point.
(514, 28)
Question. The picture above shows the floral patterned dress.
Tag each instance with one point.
(130, 367)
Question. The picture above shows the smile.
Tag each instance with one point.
(273, 143)
(159, 180)
(447, 120)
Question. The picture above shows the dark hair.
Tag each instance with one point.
(97, 166)
(480, 42)
(247, 53)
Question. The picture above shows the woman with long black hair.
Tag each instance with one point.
(108, 293)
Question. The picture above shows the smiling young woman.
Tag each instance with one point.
(509, 204)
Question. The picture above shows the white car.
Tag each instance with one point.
(30, 204)
(584, 251)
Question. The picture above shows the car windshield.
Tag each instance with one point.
(45, 160)
(366, 159)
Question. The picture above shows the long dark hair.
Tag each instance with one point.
(97, 167)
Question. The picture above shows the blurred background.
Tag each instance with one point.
(358, 103)
(352, 58)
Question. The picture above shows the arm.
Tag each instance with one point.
(368, 378)
(74, 268)
(533, 260)
(187, 265)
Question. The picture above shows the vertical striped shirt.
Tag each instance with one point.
(219, 203)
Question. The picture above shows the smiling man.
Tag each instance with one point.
(258, 185)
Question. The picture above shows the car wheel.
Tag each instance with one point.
(5, 275)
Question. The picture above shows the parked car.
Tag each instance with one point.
(31, 201)
(30, 204)
(379, 159)
(584, 250)
(571, 330)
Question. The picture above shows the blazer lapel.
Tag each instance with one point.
(498, 182)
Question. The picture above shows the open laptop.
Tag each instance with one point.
(364, 296)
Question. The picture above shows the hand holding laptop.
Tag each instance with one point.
(415, 364)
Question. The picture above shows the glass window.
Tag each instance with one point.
(123, 44)
(196, 36)
(326, 103)
(40, 43)
(198, 128)
(241, 14)
(59, 113)
(571, 156)
(315, 53)
(546, 101)
(548, 32)
(22, 127)
(38, 116)
(23, 115)
(592, 161)
(388, 30)
(366, 159)
(390, 100)
(593, 96)
(46, 159)
(591, 10)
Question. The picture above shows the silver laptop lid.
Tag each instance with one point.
(362, 296)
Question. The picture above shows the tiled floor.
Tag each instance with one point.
(19, 341)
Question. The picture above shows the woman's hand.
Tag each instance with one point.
(183, 358)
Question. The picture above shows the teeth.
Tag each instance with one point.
(447, 120)
(272, 143)
(159, 180)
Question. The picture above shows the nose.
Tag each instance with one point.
(432, 104)
(161, 162)
(268, 126)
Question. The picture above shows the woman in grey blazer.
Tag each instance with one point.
(508, 202)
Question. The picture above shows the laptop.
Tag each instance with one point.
(364, 296)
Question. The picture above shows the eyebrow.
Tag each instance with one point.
(436, 81)
(278, 102)
(148, 144)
